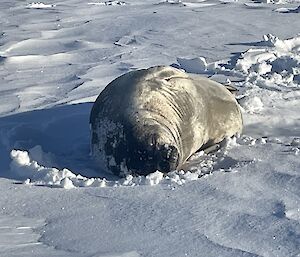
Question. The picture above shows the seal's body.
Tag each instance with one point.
(156, 118)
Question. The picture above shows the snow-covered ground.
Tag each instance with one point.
(57, 56)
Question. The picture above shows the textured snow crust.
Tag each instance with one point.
(57, 56)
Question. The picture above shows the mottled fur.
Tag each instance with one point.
(156, 118)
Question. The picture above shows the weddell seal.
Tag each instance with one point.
(155, 119)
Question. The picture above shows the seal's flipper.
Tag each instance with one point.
(212, 148)
(231, 89)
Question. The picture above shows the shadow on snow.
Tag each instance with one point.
(62, 132)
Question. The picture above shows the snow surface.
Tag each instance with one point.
(39, 5)
(57, 56)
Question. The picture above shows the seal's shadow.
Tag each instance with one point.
(61, 132)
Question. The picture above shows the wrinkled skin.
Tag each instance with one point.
(155, 119)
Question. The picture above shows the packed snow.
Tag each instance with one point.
(57, 56)
(39, 5)
(108, 3)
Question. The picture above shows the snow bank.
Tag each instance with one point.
(193, 65)
(278, 63)
(270, 72)
(273, 65)
(32, 173)
(25, 166)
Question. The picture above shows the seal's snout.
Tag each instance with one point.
(168, 158)
(149, 156)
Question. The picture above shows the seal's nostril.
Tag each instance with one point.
(154, 138)
(168, 158)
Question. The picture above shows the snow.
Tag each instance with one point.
(108, 3)
(288, 10)
(193, 65)
(23, 167)
(57, 56)
(39, 5)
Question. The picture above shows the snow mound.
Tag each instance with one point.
(252, 104)
(278, 63)
(25, 166)
(270, 72)
(32, 173)
(293, 214)
(267, 76)
(193, 65)
(40, 5)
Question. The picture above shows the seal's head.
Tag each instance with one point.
(142, 152)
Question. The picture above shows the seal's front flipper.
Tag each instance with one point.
(212, 148)
(232, 89)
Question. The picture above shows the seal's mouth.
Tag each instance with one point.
(140, 154)
(151, 158)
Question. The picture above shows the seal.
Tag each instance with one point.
(155, 119)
